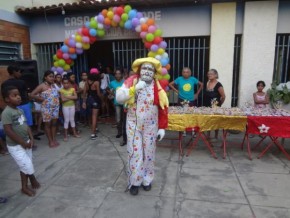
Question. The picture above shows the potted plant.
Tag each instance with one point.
(279, 95)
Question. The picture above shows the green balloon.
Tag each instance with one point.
(127, 8)
(55, 58)
(61, 62)
(122, 23)
(124, 17)
(149, 37)
(158, 32)
(101, 33)
(167, 77)
(93, 24)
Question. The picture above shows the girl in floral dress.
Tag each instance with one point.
(49, 98)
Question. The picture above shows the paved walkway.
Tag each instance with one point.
(84, 178)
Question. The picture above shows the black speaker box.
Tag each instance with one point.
(29, 72)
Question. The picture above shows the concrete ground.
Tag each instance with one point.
(85, 178)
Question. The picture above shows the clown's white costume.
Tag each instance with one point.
(147, 118)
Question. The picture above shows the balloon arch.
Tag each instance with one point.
(122, 16)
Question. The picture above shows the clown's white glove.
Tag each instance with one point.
(160, 134)
(140, 85)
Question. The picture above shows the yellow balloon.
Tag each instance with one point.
(78, 38)
(56, 64)
(110, 14)
(66, 67)
(86, 46)
(160, 51)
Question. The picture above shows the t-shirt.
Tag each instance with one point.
(105, 81)
(20, 85)
(82, 84)
(16, 118)
(186, 87)
(115, 85)
(68, 92)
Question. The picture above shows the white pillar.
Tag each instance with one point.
(222, 39)
(258, 47)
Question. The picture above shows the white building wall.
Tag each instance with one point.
(258, 47)
(223, 27)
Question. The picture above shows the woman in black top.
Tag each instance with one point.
(214, 93)
(214, 90)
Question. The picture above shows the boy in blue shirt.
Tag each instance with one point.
(185, 84)
(113, 86)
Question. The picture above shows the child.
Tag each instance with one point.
(19, 138)
(92, 99)
(49, 98)
(68, 95)
(186, 84)
(113, 86)
(261, 99)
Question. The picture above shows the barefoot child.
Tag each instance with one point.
(68, 97)
(19, 138)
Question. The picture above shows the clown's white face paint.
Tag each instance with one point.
(147, 72)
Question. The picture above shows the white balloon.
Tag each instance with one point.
(79, 45)
(142, 20)
(73, 36)
(138, 28)
(165, 55)
(158, 57)
(100, 26)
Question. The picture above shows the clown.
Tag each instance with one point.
(147, 105)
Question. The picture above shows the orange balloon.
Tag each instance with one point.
(107, 21)
(144, 27)
(72, 50)
(66, 41)
(167, 66)
(150, 22)
(104, 12)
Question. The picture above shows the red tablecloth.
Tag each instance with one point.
(269, 126)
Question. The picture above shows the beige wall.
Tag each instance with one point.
(258, 47)
(223, 27)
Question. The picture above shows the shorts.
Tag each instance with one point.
(23, 158)
(2, 134)
(27, 113)
(93, 103)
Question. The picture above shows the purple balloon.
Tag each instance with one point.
(79, 51)
(53, 69)
(163, 44)
(135, 22)
(154, 47)
(100, 18)
(59, 69)
(139, 15)
(72, 43)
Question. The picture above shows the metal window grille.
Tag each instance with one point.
(282, 60)
(192, 52)
(9, 52)
(45, 52)
(236, 70)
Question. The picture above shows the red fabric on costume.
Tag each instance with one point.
(269, 125)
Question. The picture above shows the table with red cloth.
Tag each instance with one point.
(273, 127)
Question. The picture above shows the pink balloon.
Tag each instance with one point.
(116, 18)
(164, 71)
(86, 39)
(65, 56)
(143, 35)
(151, 29)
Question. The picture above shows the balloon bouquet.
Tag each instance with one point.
(122, 16)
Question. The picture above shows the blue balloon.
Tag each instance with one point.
(128, 24)
(93, 32)
(73, 56)
(164, 61)
(132, 14)
(64, 49)
(87, 24)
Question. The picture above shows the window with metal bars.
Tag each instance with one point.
(9, 52)
(192, 52)
(282, 59)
